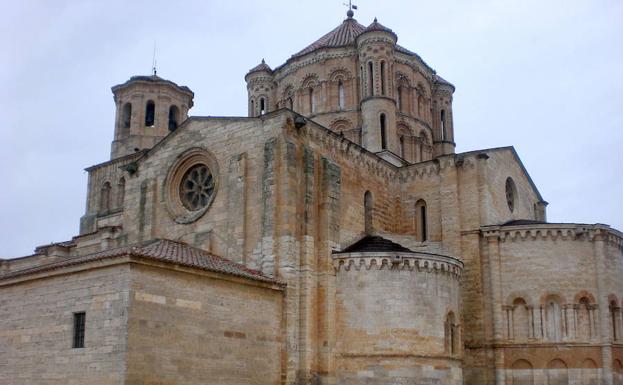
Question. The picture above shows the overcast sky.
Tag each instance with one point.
(543, 75)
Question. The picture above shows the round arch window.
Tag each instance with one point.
(191, 185)
(197, 187)
(511, 193)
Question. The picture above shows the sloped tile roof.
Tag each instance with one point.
(260, 67)
(375, 243)
(152, 79)
(345, 34)
(161, 250)
(376, 26)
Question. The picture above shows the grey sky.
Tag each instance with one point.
(542, 75)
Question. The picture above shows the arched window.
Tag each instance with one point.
(421, 230)
(383, 133)
(262, 106)
(420, 106)
(312, 101)
(557, 373)
(553, 318)
(174, 116)
(150, 113)
(382, 78)
(340, 94)
(402, 146)
(127, 115)
(614, 319)
(588, 373)
(105, 198)
(584, 330)
(522, 373)
(451, 334)
(370, 80)
(520, 320)
(120, 192)
(400, 101)
(368, 205)
(442, 124)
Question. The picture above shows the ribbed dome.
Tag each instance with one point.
(345, 34)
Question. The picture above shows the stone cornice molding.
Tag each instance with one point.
(555, 231)
(317, 57)
(416, 262)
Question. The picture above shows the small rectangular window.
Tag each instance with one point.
(79, 325)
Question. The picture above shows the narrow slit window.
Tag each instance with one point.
(399, 99)
(312, 101)
(443, 124)
(402, 146)
(383, 136)
(368, 204)
(340, 94)
(150, 113)
(382, 78)
(370, 80)
(79, 329)
(262, 106)
(252, 108)
(127, 115)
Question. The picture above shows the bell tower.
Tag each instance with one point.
(148, 108)
(375, 48)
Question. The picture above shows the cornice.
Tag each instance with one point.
(415, 262)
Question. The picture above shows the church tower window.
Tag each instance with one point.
(105, 198)
(402, 146)
(383, 133)
(451, 334)
(262, 106)
(150, 113)
(399, 99)
(120, 192)
(127, 115)
(340, 94)
(368, 204)
(312, 101)
(174, 114)
(383, 78)
(370, 80)
(442, 123)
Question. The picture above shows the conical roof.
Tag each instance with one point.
(376, 26)
(345, 34)
(260, 67)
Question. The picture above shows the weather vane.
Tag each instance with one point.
(350, 6)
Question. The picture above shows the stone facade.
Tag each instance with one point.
(331, 237)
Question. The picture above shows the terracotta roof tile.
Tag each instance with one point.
(161, 250)
(260, 67)
(345, 34)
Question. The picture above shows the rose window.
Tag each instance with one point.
(197, 187)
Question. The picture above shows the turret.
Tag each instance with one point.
(148, 108)
(261, 89)
(443, 127)
(375, 46)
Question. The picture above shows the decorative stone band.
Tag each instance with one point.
(553, 231)
(416, 262)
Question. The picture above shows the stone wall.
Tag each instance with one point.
(188, 329)
(36, 329)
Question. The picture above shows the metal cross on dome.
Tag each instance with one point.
(350, 6)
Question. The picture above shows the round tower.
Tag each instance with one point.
(261, 89)
(148, 108)
(375, 46)
(443, 127)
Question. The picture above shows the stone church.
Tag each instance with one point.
(332, 236)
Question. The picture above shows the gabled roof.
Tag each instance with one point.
(375, 243)
(159, 250)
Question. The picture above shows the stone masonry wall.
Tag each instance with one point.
(36, 329)
(194, 329)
